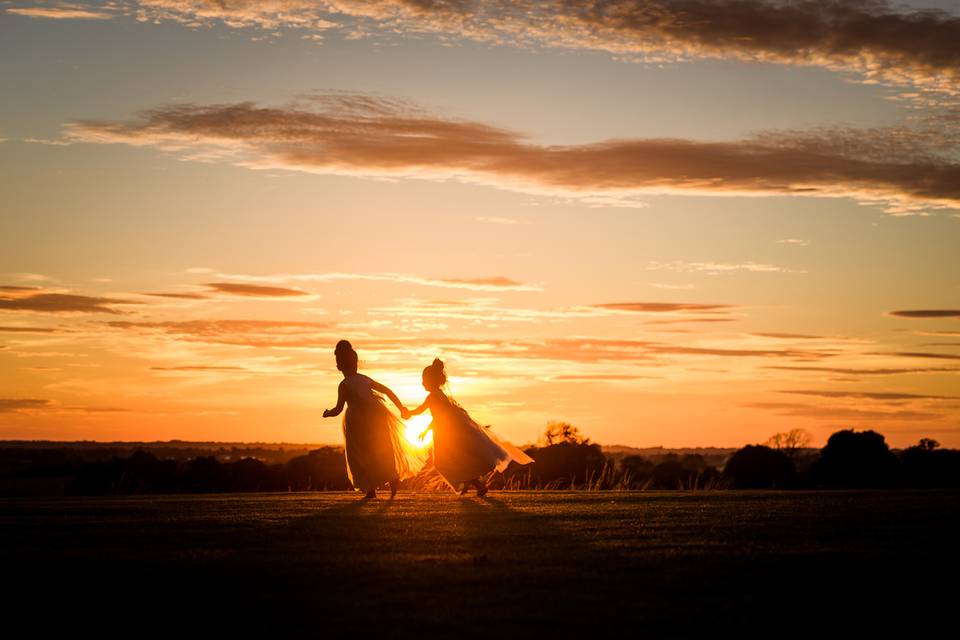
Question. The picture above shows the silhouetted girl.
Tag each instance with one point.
(376, 450)
(463, 451)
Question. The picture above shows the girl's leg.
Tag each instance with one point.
(394, 484)
(464, 487)
(370, 494)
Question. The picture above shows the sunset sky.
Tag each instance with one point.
(669, 222)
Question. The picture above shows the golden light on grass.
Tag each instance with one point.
(415, 426)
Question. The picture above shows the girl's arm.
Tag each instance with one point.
(423, 407)
(376, 386)
(341, 399)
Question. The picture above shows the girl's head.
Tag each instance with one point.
(347, 359)
(434, 376)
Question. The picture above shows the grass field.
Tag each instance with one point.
(522, 564)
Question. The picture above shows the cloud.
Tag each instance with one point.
(202, 368)
(497, 220)
(840, 413)
(246, 333)
(868, 37)
(922, 354)
(15, 298)
(665, 307)
(789, 336)
(927, 313)
(255, 291)
(29, 330)
(715, 268)
(494, 283)
(881, 371)
(17, 405)
(375, 137)
(61, 13)
(794, 241)
(180, 296)
(870, 395)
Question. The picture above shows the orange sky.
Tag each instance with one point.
(667, 231)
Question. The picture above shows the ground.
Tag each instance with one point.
(518, 564)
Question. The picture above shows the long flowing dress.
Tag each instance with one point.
(462, 449)
(376, 449)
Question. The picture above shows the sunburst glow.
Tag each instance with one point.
(416, 426)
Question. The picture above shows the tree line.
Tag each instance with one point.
(564, 459)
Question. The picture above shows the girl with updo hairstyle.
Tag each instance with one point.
(463, 451)
(375, 448)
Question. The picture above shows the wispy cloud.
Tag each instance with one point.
(491, 283)
(62, 12)
(871, 371)
(497, 220)
(366, 136)
(870, 395)
(842, 413)
(665, 307)
(716, 268)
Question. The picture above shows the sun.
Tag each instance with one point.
(414, 427)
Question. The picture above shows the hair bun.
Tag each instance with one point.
(438, 363)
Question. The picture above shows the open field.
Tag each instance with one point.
(525, 564)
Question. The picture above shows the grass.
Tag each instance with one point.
(523, 564)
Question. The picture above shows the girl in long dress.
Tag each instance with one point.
(463, 451)
(376, 450)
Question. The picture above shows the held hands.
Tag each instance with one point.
(405, 413)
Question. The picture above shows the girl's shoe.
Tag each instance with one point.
(481, 488)
(370, 495)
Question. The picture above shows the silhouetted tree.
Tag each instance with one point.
(790, 442)
(565, 463)
(856, 459)
(683, 472)
(558, 432)
(926, 465)
(636, 470)
(760, 467)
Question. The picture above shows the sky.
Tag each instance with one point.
(669, 222)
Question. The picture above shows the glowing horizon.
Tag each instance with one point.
(669, 232)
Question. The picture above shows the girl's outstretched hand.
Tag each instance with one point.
(423, 435)
(327, 413)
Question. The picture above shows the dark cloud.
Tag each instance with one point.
(870, 37)
(255, 291)
(15, 405)
(30, 299)
(29, 330)
(665, 307)
(927, 313)
(360, 135)
(923, 354)
(180, 296)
